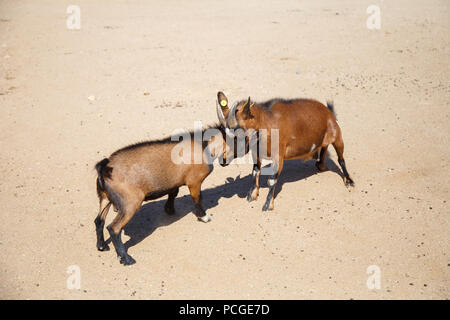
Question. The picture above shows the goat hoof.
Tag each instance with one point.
(127, 260)
(103, 247)
(349, 182)
(206, 218)
(267, 207)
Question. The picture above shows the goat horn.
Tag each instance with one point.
(231, 121)
(220, 115)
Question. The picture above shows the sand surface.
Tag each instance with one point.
(138, 70)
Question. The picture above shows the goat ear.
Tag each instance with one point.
(223, 101)
(247, 106)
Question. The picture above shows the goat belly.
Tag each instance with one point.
(156, 194)
(296, 152)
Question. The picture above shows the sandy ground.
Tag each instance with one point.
(154, 66)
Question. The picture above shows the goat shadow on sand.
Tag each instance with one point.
(151, 215)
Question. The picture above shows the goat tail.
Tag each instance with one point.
(102, 171)
(330, 106)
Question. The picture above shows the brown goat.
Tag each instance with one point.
(147, 171)
(304, 130)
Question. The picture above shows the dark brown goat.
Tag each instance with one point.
(304, 129)
(147, 171)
